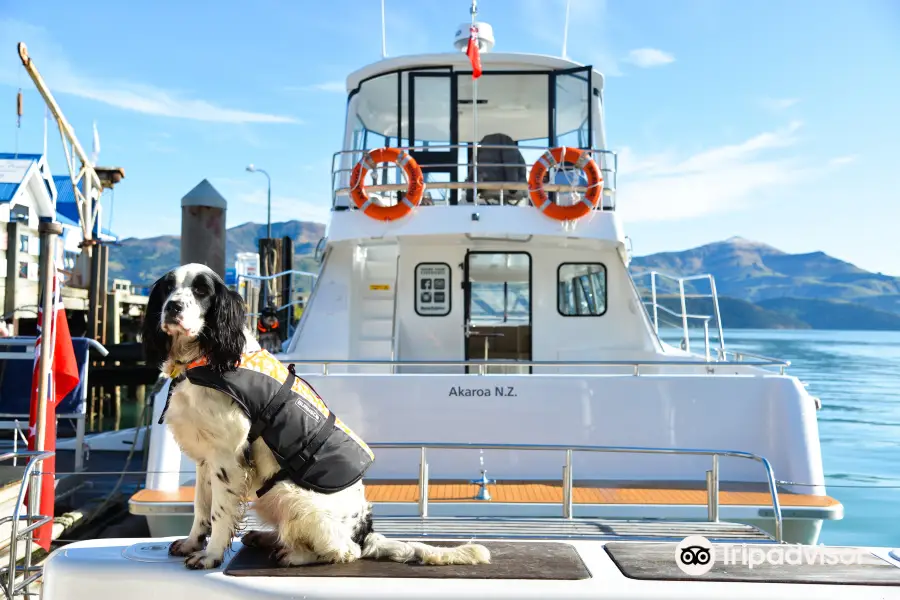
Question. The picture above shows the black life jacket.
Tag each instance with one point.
(314, 448)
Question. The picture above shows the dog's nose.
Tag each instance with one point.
(173, 307)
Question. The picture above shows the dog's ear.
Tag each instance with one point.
(222, 338)
(154, 341)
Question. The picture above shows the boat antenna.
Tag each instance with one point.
(566, 31)
(383, 42)
(474, 114)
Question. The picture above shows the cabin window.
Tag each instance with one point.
(581, 289)
(432, 289)
(431, 111)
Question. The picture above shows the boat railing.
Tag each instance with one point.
(30, 573)
(654, 307)
(712, 475)
(250, 293)
(483, 366)
(513, 192)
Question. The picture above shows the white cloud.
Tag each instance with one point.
(65, 78)
(649, 57)
(842, 160)
(778, 104)
(336, 87)
(721, 179)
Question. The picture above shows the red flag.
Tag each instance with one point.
(473, 53)
(63, 379)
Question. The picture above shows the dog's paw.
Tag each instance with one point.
(289, 557)
(202, 560)
(185, 547)
(260, 539)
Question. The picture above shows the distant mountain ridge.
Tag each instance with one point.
(143, 261)
(754, 271)
(759, 286)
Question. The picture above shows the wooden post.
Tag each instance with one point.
(203, 227)
(113, 336)
(12, 268)
(286, 263)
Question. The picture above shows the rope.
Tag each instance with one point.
(148, 404)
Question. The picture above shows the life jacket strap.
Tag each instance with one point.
(299, 463)
(172, 385)
(274, 405)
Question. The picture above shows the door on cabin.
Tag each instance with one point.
(497, 312)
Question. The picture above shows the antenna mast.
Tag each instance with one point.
(383, 40)
(566, 31)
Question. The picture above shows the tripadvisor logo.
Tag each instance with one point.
(695, 555)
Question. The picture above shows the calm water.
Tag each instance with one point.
(857, 376)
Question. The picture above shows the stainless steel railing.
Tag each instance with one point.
(483, 364)
(712, 475)
(30, 572)
(607, 161)
(684, 315)
(251, 299)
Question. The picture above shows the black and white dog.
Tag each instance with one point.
(191, 314)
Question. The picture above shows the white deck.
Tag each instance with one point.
(98, 569)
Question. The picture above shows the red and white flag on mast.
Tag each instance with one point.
(473, 52)
(63, 378)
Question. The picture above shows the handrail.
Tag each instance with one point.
(276, 275)
(713, 295)
(30, 341)
(97, 346)
(290, 303)
(292, 339)
(712, 475)
(531, 363)
(739, 356)
(603, 157)
(11, 588)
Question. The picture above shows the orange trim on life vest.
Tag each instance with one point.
(266, 363)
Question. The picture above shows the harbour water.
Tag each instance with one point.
(857, 376)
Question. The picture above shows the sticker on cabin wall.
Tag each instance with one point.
(432, 291)
(379, 286)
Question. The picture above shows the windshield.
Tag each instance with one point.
(514, 116)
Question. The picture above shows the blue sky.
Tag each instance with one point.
(775, 121)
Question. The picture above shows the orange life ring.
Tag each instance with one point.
(414, 191)
(557, 156)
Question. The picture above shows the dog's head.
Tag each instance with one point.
(191, 313)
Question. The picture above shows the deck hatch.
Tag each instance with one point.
(527, 560)
(656, 561)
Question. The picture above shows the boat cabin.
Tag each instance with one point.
(476, 271)
(474, 311)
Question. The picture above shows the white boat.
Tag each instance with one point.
(486, 340)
